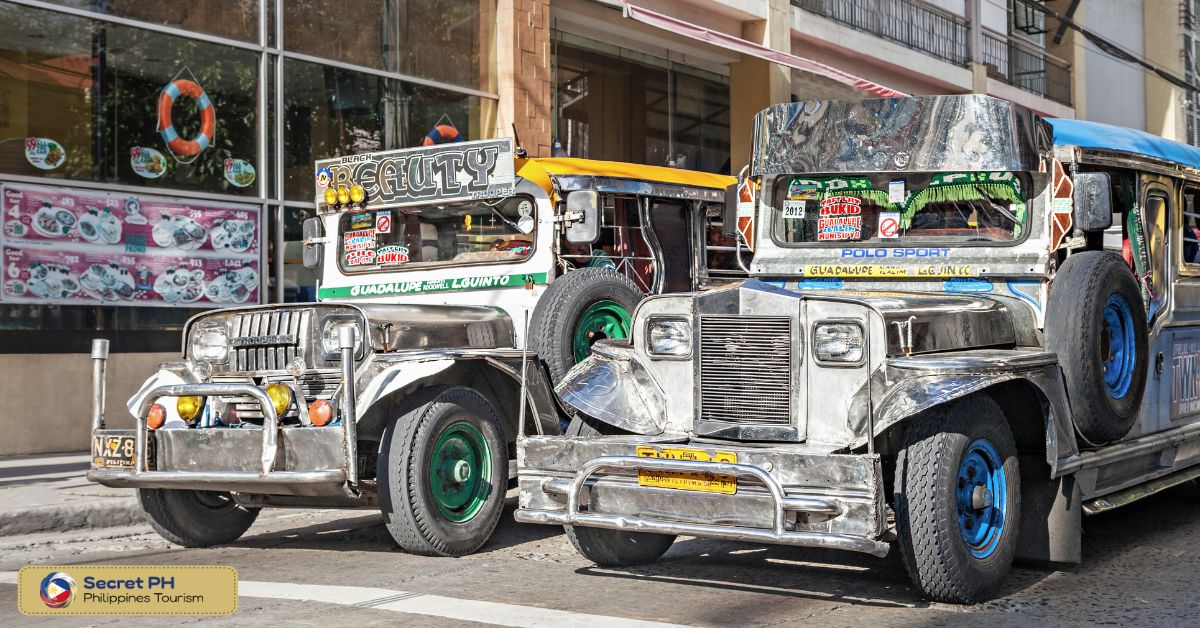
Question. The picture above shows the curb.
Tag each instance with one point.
(104, 514)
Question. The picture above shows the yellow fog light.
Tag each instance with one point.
(330, 196)
(343, 194)
(189, 407)
(357, 193)
(281, 397)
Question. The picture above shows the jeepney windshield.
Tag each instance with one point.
(901, 207)
(436, 235)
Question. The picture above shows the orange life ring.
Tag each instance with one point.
(441, 134)
(208, 118)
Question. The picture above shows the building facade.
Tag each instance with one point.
(155, 156)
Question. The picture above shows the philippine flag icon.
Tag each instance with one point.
(58, 589)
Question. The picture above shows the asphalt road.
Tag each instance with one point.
(1141, 565)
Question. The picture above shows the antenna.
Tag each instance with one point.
(517, 137)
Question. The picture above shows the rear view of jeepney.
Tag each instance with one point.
(895, 371)
(456, 280)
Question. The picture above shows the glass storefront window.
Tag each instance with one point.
(616, 108)
(82, 99)
(440, 40)
(234, 19)
(329, 112)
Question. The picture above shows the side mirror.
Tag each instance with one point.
(314, 248)
(1093, 201)
(729, 216)
(583, 210)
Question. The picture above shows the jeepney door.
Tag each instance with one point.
(1148, 228)
(1179, 344)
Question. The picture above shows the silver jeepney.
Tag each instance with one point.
(747, 434)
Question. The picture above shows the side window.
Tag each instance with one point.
(720, 251)
(1151, 257)
(1190, 228)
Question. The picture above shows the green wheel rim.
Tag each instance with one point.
(602, 319)
(460, 471)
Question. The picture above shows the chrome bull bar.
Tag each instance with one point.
(270, 430)
(778, 534)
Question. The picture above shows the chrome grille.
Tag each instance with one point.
(746, 369)
(272, 357)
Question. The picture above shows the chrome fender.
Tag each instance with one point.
(395, 377)
(612, 385)
(164, 377)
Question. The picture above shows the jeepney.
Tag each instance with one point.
(966, 327)
(446, 271)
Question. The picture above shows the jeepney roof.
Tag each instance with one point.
(1097, 136)
(613, 176)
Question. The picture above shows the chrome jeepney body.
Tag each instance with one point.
(749, 435)
(381, 333)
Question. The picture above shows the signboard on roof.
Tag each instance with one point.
(447, 172)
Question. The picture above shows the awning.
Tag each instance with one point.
(736, 44)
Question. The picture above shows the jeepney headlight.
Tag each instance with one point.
(329, 336)
(669, 337)
(210, 343)
(838, 342)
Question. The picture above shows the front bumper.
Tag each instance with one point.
(785, 495)
(300, 461)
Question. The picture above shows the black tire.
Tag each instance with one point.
(613, 548)
(558, 313)
(1076, 331)
(406, 496)
(926, 501)
(195, 518)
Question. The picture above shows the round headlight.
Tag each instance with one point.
(669, 337)
(210, 344)
(281, 397)
(329, 336)
(330, 196)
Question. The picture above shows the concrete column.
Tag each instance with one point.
(755, 83)
(1164, 48)
(523, 73)
(1070, 49)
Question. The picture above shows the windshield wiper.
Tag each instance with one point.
(1000, 208)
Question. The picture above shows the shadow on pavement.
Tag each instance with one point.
(360, 531)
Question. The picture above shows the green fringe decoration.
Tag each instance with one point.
(955, 194)
(879, 197)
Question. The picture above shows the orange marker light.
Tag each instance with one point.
(320, 413)
(156, 416)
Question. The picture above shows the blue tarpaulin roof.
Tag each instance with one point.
(1118, 138)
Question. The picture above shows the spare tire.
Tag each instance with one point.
(1096, 323)
(578, 309)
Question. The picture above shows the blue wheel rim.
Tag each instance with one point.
(1118, 346)
(982, 498)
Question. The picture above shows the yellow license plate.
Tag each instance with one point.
(112, 452)
(703, 482)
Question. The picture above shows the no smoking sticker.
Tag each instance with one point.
(383, 222)
(889, 225)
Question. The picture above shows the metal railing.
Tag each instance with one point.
(1027, 67)
(911, 24)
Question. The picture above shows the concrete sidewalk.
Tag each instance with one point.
(48, 492)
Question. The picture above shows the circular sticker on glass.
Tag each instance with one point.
(239, 172)
(525, 208)
(44, 153)
(147, 162)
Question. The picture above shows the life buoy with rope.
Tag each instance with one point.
(166, 128)
(442, 134)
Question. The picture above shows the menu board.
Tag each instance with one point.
(70, 246)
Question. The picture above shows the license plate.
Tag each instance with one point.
(703, 482)
(112, 452)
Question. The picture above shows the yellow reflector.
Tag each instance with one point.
(357, 193)
(281, 397)
(189, 407)
(330, 196)
(343, 194)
